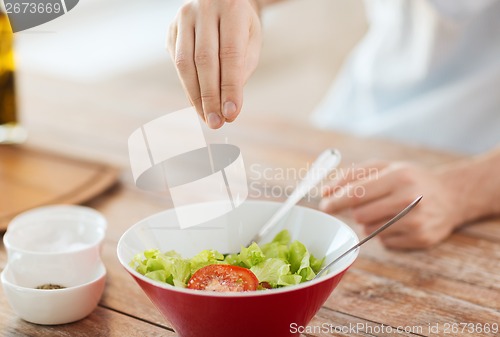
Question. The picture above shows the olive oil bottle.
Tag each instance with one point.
(10, 131)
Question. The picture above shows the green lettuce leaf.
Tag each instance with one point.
(233, 259)
(283, 238)
(316, 264)
(279, 263)
(278, 248)
(289, 280)
(180, 271)
(271, 270)
(296, 254)
(168, 267)
(300, 261)
(251, 256)
(205, 258)
(157, 275)
(275, 250)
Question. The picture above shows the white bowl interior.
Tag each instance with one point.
(55, 229)
(322, 234)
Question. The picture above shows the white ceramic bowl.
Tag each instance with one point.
(64, 240)
(57, 306)
(54, 245)
(269, 313)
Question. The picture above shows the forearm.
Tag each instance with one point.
(476, 181)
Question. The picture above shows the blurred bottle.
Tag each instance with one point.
(10, 130)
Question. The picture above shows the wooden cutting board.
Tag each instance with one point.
(31, 178)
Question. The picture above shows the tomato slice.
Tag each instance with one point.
(223, 277)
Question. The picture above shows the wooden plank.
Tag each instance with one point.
(488, 229)
(42, 170)
(461, 257)
(422, 279)
(31, 178)
(287, 143)
(379, 299)
(102, 322)
(124, 206)
(333, 323)
(123, 294)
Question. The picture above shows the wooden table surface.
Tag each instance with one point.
(428, 293)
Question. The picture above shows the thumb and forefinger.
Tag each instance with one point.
(209, 50)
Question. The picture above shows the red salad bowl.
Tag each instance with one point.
(279, 312)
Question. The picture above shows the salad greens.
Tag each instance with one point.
(277, 264)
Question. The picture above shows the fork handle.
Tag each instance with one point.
(320, 168)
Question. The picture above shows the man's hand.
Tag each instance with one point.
(377, 191)
(215, 45)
